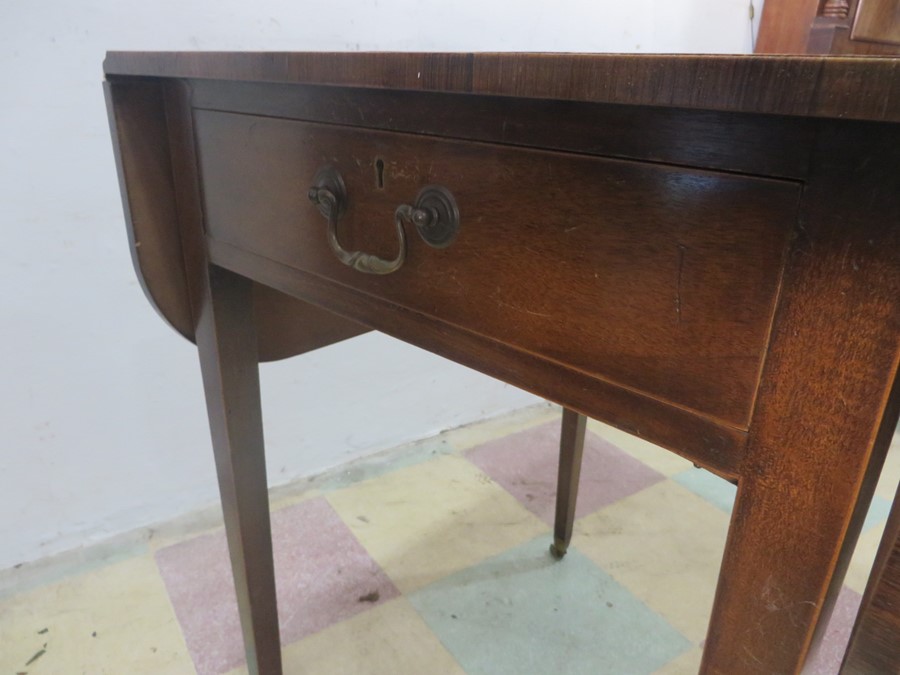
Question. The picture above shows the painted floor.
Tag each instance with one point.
(430, 558)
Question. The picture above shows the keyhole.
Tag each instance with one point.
(379, 173)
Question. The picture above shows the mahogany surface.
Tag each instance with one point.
(850, 27)
(571, 450)
(875, 643)
(863, 27)
(704, 251)
(685, 263)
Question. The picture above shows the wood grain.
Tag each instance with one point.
(865, 89)
(795, 304)
(571, 451)
(878, 21)
(716, 446)
(784, 26)
(869, 28)
(153, 144)
(226, 340)
(830, 39)
(140, 143)
(875, 642)
(631, 268)
(825, 411)
(707, 139)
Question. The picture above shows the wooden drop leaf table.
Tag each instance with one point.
(700, 250)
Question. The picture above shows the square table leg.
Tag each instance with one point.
(226, 339)
(571, 449)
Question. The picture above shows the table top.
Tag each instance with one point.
(863, 88)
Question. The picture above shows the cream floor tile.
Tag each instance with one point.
(391, 639)
(664, 461)
(113, 620)
(665, 545)
(890, 474)
(686, 664)
(426, 521)
(867, 546)
(282, 496)
(56, 568)
(469, 436)
(863, 557)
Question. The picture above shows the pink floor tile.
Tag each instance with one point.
(323, 576)
(526, 465)
(826, 660)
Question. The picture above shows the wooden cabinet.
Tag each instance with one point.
(830, 27)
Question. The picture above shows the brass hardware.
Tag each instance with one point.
(434, 214)
(558, 550)
(329, 194)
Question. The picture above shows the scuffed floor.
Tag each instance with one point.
(431, 558)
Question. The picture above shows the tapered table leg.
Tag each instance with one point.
(571, 449)
(226, 339)
(826, 406)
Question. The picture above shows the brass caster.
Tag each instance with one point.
(556, 552)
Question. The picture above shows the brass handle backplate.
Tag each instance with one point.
(434, 214)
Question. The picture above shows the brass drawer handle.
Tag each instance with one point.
(434, 214)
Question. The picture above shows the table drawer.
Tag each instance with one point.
(659, 279)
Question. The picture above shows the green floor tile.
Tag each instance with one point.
(522, 612)
(717, 491)
(877, 514)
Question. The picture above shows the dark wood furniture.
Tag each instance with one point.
(703, 251)
(829, 27)
(875, 642)
(842, 27)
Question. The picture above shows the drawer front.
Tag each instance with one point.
(659, 279)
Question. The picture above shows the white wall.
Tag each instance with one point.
(101, 407)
